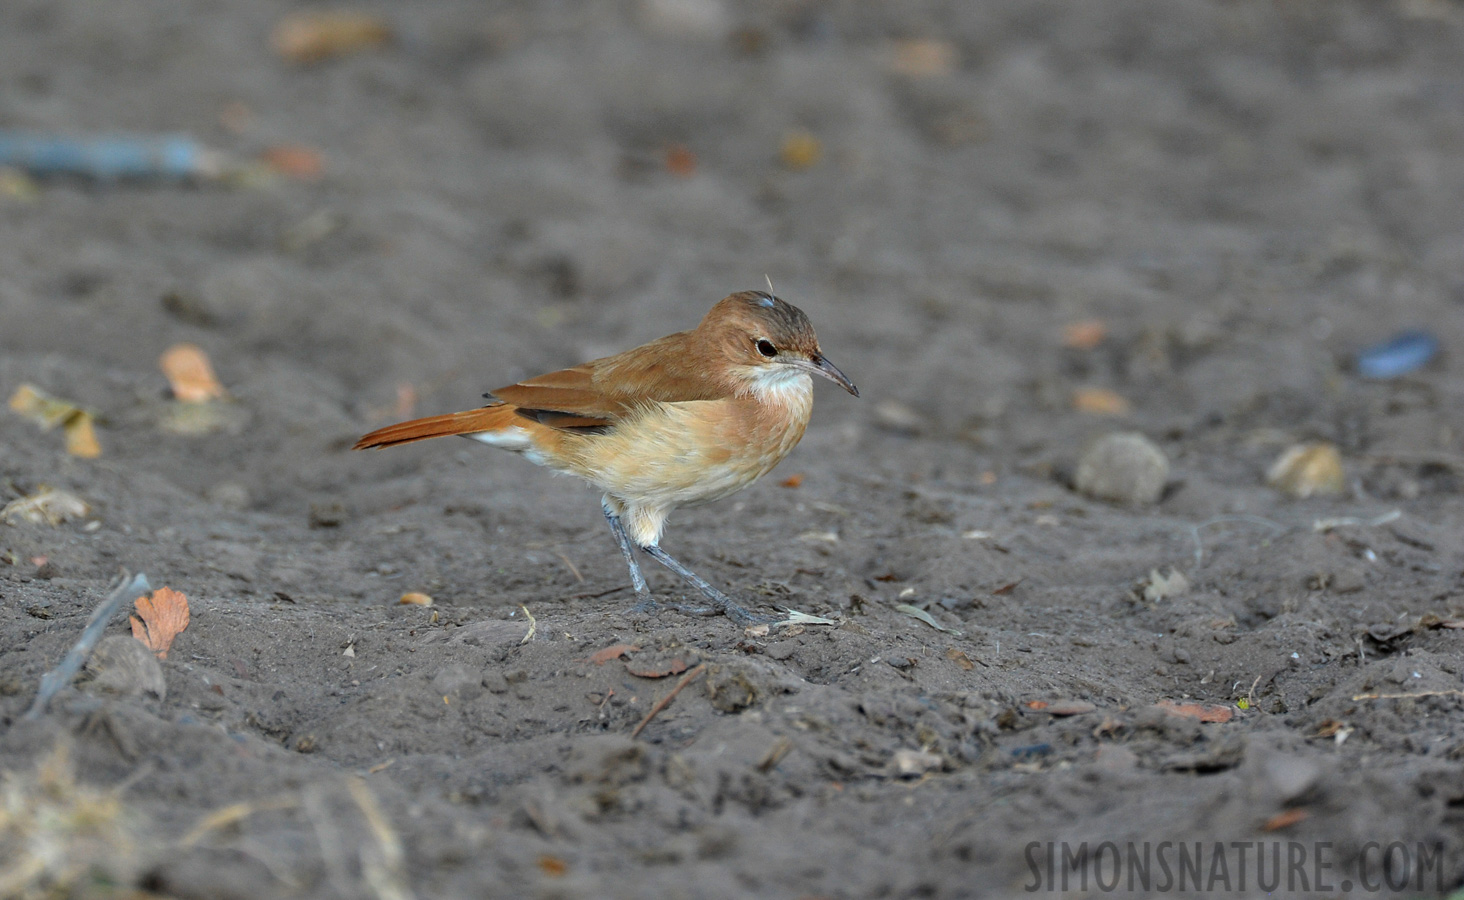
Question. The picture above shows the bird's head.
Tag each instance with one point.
(767, 342)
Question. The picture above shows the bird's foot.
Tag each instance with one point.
(736, 613)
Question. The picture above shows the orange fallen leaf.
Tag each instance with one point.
(553, 866)
(792, 481)
(190, 374)
(960, 658)
(680, 161)
(1084, 335)
(1284, 819)
(414, 598)
(614, 651)
(310, 37)
(1100, 401)
(295, 161)
(1197, 711)
(656, 670)
(160, 618)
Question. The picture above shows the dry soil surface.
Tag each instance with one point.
(1243, 194)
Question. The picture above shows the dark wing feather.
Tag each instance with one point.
(593, 396)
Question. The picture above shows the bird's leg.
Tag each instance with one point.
(721, 603)
(637, 580)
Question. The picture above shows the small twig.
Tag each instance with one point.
(385, 877)
(666, 700)
(1276, 528)
(533, 625)
(56, 679)
(1424, 458)
(234, 812)
(572, 569)
(595, 595)
(1451, 693)
(1250, 699)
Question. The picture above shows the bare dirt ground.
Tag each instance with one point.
(1243, 193)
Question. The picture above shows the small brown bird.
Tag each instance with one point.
(684, 420)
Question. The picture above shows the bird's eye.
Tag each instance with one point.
(766, 348)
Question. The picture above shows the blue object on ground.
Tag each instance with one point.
(1405, 352)
(106, 158)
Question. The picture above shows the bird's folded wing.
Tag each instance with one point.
(595, 395)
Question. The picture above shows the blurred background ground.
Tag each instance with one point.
(1017, 226)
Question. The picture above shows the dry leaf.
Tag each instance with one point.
(1308, 470)
(655, 669)
(190, 374)
(294, 161)
(160, 618)
(960, 659)
(1084, 335)
(922, 57)
(414, 598)
(916, 612)
(48, 412)
(46, 506)
(310, 37)
(1329, 728)
(680, 161)
(1100, 402)
(1197, 711)
(553, 866)
(800, 150)
(81, 437)
(792, 481)
(614, 651)
(42, 408)
(1284, 819)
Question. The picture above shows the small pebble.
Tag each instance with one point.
(1124, 467)
(914, 763)
(1308, 470)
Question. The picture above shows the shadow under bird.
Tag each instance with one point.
(684, 420)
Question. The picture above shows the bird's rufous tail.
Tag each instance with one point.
(470, 421)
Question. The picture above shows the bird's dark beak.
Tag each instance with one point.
(818, 364)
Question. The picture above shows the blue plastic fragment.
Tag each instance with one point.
(1033, 751)
(1405, 352)
(106, 158)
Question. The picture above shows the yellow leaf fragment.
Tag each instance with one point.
(310, 37)
(1308, 470)
(160, 618)
(800, 150)
(48, 412)
(190, 374)
(81, 436)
